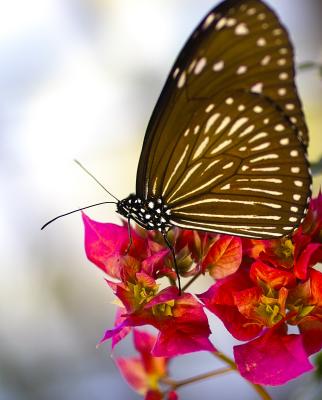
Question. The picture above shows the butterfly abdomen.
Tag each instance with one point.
(151, 213)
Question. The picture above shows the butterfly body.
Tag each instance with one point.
(150, 213)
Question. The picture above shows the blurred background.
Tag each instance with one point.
(79, 79)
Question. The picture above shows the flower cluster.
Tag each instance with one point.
(268, 294)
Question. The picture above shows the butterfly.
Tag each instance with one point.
(225, 148)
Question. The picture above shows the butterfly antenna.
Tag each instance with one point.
(79, 209)
(93, 177)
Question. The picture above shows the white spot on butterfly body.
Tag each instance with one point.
(239, 122)
(182, 80)
(211, 121)
(266, 60)
(176, 72)
(226, 187)
(243, 148)
(294, 209)
(182, 158)
(221, 23)
(298, 183)
(218, 66)
(257, 88)
(294, 153)
(151, 204)
(221, 146)
(241, 69)
(295, 170)
(290, 106)
(200, 65)
(273, 192)
(229, 100)
(258, 109)
(277, 32)
(247, 131)
(284, 141)
(229, 165)
(231, 22)
(241, 107)
(260, 135)
(210, 107)
(283, 76)
(261, 42)
(186, 132)
(292, 219)
(223, 125)
(261, 16)
(282, 91)
(281, 61)
(201, 148)
(267, 169)
(296, 197)
(293, 120)
(265, 157)
(192, 65)
(279, 127)
(251, 11)
(241, 29)
(208, 21)
(261, 146)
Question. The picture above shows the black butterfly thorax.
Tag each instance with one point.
(150, 213)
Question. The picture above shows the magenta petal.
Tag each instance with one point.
(143, 341)
(219, 299)
(104, 243)
(133, 372)
(119, 335)
(302, 264)
(167, 294)
(311, 330)
(152, 263)
(272, 359)
(178, 342)
(120, 330)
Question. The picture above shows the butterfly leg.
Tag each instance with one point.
(174, 259)
(130, 235)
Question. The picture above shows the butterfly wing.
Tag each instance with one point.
(240, 172)
(239, 48)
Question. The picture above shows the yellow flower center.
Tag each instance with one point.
(164, 309)
(286, 249)
(141, 293)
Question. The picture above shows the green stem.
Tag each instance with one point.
(185, 287)
(174, 385)
(258, 388)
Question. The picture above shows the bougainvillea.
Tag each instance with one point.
(268, 294)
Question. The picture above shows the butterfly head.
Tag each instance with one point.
(151, 213)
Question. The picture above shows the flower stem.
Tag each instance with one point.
(177, 384)
(258, 388)
(185, 287)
